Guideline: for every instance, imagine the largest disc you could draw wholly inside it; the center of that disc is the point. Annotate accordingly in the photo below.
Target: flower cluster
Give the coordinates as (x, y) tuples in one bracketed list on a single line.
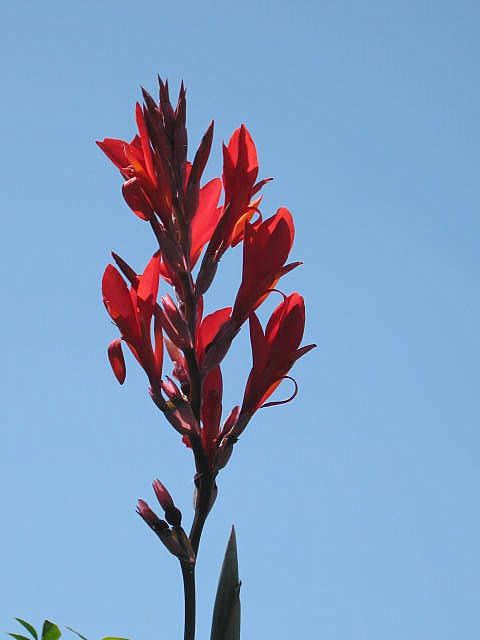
[(191, 220)]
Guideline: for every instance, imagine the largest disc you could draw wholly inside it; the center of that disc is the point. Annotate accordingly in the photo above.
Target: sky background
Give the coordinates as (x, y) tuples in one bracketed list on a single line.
[(356, 505)]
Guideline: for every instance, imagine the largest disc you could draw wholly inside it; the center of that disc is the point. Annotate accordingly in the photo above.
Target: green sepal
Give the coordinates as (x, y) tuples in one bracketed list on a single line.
[(226, 612), (17, 636)]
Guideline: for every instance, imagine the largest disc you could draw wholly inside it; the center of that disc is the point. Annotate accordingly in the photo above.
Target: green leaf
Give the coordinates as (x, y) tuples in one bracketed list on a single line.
[(17, 636), (28, 627), (76, 633), (226, 612), (50, 631)]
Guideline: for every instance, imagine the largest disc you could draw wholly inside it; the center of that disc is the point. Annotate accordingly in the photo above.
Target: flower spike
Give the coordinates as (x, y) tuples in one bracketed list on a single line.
[(194, 222)]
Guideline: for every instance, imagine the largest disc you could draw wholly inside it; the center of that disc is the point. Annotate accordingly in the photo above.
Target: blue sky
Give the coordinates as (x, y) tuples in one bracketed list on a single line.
[(356, 505)]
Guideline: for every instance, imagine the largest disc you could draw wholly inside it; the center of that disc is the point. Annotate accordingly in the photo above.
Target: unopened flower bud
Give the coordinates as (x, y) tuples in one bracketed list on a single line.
[(205, 277), (154, 522), (175, 540), (218, 349), (172, 515), (222, 455)]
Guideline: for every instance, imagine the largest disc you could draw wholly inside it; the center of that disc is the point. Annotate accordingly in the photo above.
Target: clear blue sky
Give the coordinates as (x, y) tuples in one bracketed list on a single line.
[(356, 506)]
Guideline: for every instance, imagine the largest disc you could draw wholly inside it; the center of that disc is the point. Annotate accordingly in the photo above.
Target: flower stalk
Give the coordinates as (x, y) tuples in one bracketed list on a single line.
[(193, 225)]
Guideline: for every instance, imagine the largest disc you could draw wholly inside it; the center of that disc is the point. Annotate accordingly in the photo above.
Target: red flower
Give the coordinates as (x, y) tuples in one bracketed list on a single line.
[(265, 250), (147, 187), (132, 310), (240, 171), (274, 352)]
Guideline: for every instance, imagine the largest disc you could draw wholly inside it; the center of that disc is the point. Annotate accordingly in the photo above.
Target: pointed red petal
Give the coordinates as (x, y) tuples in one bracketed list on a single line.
[(116, 296), (115, 151), (136, 199), (145, 140), (147, 289), (157, 330), (257, 341), (209, 328), (242, 150), (206, 217), (117, 361)]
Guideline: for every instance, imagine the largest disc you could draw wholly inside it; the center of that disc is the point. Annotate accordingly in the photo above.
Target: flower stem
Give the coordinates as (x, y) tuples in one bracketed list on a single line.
[(188, 573), (201, 513)]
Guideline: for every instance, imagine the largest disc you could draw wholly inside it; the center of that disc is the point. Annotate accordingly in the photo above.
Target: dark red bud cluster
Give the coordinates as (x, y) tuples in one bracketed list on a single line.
[(169, 530)]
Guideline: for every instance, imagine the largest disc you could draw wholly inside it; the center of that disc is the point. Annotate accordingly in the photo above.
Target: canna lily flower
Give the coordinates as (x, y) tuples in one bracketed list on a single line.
[(274, 353), (147, 187), (265, 250), (240, 171), (132, 311)]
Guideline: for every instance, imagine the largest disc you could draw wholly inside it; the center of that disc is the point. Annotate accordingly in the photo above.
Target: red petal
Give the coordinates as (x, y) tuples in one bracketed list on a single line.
[(242, 150), (116, 296), (206, 217), (283, 309), (257, 341), (117, 361), (147, 289), (114, 150), (285, 332), (157, 330), (209, 328), (265, 250), (147, 152), (136, 199)]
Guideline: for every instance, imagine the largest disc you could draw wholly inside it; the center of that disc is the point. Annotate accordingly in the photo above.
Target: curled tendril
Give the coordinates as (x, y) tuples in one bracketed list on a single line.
[(284, 298), (289, 399)]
